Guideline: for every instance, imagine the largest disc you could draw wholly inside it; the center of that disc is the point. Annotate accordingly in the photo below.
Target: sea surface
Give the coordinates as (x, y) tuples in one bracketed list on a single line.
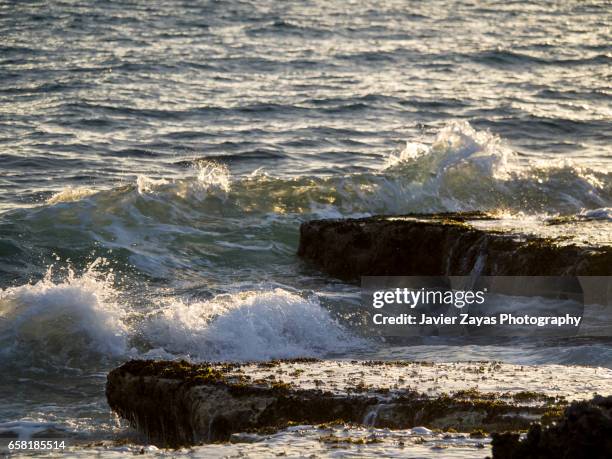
[(157, 159)]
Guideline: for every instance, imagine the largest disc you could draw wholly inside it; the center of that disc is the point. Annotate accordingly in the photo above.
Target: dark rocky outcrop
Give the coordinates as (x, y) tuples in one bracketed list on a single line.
[(451, 244), (178, 403), (584, 432)]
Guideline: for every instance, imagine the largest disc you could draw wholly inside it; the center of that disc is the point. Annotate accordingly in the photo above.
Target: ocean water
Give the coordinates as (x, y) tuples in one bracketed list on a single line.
[(156, 160)]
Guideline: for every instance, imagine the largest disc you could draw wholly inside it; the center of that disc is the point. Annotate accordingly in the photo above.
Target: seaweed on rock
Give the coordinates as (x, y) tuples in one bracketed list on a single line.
[(179, 403)]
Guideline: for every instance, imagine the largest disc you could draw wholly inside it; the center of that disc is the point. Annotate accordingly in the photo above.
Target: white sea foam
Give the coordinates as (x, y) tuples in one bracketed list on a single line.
[(459, 144), (246, 326), (461, 169), (213, 177), (146, 184), (209, 179), (64, 321), (466, 169), (70, 194), (79, 319)]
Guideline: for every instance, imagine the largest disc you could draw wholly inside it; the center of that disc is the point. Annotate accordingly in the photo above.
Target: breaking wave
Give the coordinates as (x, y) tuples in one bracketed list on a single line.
[(465, 169), (210, 180), (461, 169), (209, 222), (75, 320), (246, 326), (64, 322), (204, 228)]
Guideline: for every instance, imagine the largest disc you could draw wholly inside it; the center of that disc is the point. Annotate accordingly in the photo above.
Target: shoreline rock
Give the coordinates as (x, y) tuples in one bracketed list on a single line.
[(178, 403), (584, 431), (456, 244)]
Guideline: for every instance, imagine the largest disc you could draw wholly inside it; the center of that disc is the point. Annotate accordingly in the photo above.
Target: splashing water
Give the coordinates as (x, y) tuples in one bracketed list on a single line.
[(210, 180), (66, 321), (462, 169), (246, 326), (458, 144), (71, 319), (313, 99)]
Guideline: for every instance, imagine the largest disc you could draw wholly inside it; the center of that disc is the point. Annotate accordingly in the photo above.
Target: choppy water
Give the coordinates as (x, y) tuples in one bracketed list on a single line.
[(156, 160)]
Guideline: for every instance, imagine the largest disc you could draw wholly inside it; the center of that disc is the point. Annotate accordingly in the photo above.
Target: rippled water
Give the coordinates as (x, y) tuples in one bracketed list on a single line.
[(157, 159)]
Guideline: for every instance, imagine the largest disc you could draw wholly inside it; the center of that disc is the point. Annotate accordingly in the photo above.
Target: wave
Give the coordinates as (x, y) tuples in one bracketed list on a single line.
[(70, 320), (70, 194), (199, 223), (465, 169), (63, 322), (462, 169), (246, 326), (211, 180), (499, 57), (84, 320)]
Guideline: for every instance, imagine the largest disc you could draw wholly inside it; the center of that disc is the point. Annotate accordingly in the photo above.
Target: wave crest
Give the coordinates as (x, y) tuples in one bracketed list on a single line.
[(67, 321), (465, 169), (70, 194), (461, 169), (70, 320), (246, 326), (202, 221), (210, 179), (456, 144)]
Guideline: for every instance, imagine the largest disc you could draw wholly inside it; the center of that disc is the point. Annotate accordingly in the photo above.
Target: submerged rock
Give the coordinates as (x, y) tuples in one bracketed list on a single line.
[(584, 431), (456, 244), (178, 403)]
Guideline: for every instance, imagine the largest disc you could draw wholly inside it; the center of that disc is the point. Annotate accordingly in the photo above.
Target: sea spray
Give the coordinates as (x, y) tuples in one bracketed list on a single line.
[(63, 321), (84, 319), (457, 143), (208, 180), (251, 325)]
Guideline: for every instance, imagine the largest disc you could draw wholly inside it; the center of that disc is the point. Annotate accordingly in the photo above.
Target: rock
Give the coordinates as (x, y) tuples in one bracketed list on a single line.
[(178, 403), (584, 431), (456, 244)]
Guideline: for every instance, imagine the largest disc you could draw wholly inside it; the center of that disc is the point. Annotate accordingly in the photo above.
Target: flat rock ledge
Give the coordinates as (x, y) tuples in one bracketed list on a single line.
[(176, 403), (456, 244)]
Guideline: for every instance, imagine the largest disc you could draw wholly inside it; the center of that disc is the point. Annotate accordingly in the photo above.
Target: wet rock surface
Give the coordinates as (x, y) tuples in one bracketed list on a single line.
[(584, 431), (456, 244), (178, 403)]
